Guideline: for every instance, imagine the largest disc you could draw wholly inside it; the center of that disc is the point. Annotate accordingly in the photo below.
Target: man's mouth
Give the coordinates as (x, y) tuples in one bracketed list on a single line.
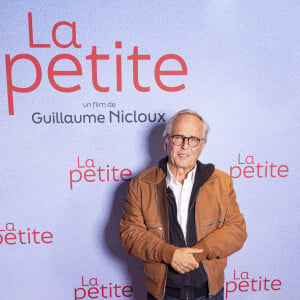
[(183, 155)]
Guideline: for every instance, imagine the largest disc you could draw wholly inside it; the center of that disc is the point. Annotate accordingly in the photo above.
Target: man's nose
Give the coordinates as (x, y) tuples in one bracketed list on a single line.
[(185, 143)]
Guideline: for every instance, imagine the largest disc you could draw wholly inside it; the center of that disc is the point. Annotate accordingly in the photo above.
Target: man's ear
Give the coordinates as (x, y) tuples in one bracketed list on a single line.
[(165, 144)]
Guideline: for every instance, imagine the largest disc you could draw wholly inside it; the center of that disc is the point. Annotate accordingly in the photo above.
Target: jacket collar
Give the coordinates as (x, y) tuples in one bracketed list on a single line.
[(205, 172)]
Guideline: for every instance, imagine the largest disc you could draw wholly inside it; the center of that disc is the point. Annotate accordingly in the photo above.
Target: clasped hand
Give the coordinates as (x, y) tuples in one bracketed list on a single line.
[(184, 261)]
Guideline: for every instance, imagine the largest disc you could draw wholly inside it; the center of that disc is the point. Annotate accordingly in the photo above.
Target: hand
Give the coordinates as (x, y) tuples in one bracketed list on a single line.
[(183, 260), (204, 254)]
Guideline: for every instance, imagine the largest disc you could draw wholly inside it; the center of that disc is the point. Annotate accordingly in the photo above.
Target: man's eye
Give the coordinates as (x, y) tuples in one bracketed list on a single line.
[(177, 137), (194, 140)]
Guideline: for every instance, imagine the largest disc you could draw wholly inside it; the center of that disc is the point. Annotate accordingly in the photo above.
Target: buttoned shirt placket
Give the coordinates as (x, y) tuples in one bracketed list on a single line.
[(182, 193)]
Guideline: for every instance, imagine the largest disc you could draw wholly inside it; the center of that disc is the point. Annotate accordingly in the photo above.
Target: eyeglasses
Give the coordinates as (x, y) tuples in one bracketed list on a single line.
[(178, 140)]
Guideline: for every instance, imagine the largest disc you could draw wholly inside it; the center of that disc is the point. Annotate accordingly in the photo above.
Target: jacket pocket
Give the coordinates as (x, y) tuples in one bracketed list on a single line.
[(215, 223), (210, 225), (156, 230)]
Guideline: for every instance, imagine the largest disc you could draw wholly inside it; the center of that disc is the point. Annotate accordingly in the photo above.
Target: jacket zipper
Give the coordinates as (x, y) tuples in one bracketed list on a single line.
[(207, 281), (215, 222), (163, 235), (155, 227), (197, 236)]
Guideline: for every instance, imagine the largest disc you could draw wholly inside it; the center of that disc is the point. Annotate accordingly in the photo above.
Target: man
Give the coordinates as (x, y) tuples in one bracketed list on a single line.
[(181, 218)]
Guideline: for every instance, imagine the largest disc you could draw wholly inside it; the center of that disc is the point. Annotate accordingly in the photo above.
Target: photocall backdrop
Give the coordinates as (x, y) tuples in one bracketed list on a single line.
[(86, 88)]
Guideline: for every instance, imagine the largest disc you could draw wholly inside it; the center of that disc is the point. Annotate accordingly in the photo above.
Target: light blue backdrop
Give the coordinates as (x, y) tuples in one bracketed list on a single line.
[(242, 59)]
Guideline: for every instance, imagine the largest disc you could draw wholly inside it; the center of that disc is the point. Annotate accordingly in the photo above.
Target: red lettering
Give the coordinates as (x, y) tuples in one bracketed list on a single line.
[(94, 57), (234, 275), (12, 88), (89, 173), (82, 282), (78, 163), (73, 40), (10, 236), (35, 233), (93, 291), (239, 160), (125, 173), (275, 283), (114, 171), (72, 180), (119, 67), (232, 169), (229, 289), (82, 293), (283, 169), (30, 30), (248, 170), (135, 57), (265, 284), (20, 233), (158, 72), (259, 166), (47, 237), (253, 281), (99, 172), (272, 166), (52, 73), (127, 291), (244, 286)]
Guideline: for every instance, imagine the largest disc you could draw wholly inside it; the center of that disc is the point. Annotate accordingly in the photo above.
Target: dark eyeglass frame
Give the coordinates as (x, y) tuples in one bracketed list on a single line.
[(189, 138)]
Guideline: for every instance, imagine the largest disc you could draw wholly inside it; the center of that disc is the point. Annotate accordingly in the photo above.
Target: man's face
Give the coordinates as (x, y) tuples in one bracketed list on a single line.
[(184, 157)]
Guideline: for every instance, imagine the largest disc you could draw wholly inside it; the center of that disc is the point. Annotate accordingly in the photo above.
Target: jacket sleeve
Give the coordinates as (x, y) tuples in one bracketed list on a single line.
[(230, 237), (140, 240)]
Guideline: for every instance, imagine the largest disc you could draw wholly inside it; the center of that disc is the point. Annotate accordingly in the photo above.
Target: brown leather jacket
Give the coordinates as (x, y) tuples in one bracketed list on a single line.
[(220, 227)]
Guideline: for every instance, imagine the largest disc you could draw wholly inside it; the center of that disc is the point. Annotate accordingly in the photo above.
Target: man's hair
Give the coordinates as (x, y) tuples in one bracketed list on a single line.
[(170, 123)]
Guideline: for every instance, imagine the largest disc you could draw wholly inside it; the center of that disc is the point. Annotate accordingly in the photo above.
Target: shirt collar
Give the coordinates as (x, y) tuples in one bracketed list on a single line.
[(172, 180)]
